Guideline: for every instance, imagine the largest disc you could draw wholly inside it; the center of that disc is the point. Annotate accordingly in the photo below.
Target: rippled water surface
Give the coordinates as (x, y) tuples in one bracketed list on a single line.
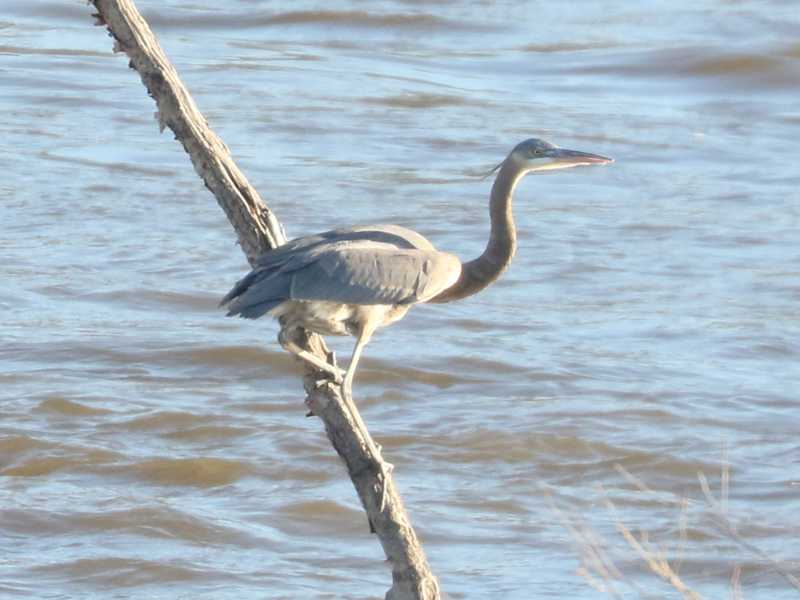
[(647, 330)]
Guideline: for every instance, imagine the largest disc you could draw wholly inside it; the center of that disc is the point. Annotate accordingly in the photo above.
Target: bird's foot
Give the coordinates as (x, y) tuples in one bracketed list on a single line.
[(334, 374), (326, 366), (331, 375), (327, 382)]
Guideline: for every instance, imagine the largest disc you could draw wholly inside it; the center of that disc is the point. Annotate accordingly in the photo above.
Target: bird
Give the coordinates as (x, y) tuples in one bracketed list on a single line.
[(355, 280)]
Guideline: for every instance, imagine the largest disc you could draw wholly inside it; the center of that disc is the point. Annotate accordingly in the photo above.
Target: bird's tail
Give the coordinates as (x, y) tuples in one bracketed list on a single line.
[(256, 294), (240, 287)]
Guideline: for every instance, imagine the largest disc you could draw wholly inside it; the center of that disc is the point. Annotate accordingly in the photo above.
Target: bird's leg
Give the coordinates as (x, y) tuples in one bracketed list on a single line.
[(347, 394), (288, 344), (347, 384)]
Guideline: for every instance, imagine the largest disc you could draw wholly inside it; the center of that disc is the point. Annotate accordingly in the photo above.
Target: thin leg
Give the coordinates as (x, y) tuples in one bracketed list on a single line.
[(289, 345), (347, 393), (347, 384)]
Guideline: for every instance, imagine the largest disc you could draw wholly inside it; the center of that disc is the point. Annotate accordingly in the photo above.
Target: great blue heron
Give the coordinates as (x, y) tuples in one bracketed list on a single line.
[(352, 281)]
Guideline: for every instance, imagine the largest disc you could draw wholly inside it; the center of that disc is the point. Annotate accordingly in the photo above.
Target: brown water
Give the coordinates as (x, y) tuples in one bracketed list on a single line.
[(151, 448)]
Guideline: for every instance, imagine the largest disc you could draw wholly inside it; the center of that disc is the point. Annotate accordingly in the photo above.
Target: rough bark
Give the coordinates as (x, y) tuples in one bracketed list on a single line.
[(258, 230)]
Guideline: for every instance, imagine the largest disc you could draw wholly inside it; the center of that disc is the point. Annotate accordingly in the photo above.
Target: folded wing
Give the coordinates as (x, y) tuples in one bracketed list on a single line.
[(353, 271)]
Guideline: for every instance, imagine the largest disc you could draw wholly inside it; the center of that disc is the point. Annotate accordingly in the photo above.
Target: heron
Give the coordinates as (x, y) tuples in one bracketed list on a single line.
[(353, 281)]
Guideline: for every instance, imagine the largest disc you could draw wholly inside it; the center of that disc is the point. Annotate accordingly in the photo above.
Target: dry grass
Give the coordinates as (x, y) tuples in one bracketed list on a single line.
[(598, 567)]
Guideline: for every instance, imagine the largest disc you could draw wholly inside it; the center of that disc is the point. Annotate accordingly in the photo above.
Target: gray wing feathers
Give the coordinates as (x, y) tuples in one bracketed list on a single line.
[(375, 276), (347, 272), (253, 311), (260, 291), (393, 235)]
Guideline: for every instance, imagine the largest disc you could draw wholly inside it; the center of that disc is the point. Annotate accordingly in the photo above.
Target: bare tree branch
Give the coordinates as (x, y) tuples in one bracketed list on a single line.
[(259, 230), (254, 223)]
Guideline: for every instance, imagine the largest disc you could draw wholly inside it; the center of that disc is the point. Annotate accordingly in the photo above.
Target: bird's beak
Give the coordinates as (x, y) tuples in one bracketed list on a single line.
[(562, 158)]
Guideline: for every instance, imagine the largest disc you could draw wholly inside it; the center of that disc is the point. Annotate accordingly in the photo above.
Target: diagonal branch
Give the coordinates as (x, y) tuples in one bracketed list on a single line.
[(259, 230), (254, 223)]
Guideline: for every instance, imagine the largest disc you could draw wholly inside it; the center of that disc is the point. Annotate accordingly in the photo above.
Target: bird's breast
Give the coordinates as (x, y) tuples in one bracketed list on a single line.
[(331, 318)]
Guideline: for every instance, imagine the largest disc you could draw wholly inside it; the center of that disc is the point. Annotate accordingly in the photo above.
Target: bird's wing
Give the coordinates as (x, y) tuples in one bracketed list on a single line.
[(394, 235), (351, 272), (364, 274)]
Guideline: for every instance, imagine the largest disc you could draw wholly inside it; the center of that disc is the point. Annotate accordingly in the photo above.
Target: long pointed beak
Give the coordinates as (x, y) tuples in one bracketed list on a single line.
[(572, 158)]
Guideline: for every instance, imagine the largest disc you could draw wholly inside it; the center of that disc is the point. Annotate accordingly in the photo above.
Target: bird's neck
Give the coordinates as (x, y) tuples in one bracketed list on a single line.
[(484, 270)]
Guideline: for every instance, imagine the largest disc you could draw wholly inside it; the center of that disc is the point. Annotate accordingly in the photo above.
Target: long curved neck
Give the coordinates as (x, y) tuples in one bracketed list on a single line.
[(484, 270)]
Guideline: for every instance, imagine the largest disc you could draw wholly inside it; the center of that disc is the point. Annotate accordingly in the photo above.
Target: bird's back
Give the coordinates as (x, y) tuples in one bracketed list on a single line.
[(393, 235), (361, 266)]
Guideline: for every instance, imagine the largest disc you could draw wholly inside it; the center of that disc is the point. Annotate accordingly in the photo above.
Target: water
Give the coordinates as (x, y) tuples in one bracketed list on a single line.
[(151, 448)]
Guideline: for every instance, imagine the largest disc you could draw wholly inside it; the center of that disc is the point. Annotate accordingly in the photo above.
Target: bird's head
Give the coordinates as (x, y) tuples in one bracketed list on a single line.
[(539, 155)]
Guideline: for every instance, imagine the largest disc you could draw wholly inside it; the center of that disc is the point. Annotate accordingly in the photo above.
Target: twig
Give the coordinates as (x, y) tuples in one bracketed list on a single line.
[(723, 523), (592, 550), (657, 564), (736, 584), (720, 518)]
